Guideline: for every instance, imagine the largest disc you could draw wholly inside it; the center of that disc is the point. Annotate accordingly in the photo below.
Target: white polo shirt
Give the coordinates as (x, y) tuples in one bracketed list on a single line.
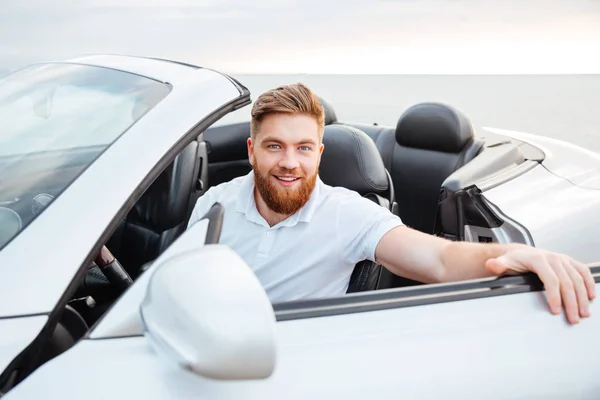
[(312, 253)]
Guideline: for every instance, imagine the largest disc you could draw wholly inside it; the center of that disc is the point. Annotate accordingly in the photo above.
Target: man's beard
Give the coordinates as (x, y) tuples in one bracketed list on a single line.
[(282, 200)]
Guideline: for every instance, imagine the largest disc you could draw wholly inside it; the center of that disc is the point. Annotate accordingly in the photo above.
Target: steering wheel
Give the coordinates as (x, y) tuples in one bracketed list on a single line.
[(112, 269)]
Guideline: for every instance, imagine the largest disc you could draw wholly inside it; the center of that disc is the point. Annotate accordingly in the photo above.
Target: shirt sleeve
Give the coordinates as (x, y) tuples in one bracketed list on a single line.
[(361, 224)]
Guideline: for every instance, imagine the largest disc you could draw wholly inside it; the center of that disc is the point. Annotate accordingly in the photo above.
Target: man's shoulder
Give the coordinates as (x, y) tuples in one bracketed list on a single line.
[(349, 202), (226, 194), (341, 196)]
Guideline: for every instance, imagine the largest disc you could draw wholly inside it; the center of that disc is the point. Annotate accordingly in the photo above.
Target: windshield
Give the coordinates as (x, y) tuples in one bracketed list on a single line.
[(55, 120)]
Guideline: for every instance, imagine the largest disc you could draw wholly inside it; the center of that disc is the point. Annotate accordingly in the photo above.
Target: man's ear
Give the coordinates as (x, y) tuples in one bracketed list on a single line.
[(321, 147), (250, 149)]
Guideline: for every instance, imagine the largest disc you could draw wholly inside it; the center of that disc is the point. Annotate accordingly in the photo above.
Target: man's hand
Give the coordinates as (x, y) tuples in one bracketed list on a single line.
[(566, 280), (429, 259)]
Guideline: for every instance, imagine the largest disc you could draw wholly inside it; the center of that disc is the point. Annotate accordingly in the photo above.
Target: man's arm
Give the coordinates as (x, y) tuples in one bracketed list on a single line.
[(426, 258)]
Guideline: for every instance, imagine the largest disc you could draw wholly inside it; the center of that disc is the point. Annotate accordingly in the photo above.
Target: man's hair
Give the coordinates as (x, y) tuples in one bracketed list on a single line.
[(291, 99)]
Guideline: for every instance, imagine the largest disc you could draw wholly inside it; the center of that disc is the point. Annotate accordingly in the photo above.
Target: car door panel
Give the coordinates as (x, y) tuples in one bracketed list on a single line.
[(494, 347)]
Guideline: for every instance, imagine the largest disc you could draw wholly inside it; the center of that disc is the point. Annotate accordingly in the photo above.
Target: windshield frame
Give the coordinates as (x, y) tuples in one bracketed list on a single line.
[(114, 84)]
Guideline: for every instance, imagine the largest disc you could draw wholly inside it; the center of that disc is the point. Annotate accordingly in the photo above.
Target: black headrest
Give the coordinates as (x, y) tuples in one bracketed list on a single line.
[(434, 126), (165, 204), (350, 159), (330, 117)]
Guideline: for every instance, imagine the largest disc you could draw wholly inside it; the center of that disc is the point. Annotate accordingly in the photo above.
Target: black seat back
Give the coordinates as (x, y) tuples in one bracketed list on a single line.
[(431, 141), (351, 160), (159, 216)]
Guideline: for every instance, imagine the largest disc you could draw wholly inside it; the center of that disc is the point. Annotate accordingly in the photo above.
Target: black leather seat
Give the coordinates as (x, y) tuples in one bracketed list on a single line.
[(351, 160), (330, 115), (160, 215), (431, 141)]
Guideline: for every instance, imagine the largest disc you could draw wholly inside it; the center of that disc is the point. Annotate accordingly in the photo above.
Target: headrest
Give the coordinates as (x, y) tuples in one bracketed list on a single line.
[(434, 126), (165, 204), (350, 159), (330, 117)]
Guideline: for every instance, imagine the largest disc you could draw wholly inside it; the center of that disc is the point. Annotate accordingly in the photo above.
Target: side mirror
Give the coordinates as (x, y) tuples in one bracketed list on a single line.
[(206, 310)]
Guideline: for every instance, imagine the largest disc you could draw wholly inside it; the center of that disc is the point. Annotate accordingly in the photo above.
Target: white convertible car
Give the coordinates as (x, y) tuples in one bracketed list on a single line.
[(105, 295)]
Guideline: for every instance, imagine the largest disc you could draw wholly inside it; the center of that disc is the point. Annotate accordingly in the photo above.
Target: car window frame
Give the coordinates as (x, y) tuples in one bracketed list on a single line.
[(413, 296)]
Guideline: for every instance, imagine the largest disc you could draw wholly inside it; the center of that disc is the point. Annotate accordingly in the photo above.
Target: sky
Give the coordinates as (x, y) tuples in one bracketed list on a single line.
[(314, 36)]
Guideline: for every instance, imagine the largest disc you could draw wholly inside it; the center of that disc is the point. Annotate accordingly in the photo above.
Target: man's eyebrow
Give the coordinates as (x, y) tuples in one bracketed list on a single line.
[(271, 139), (307, 141)]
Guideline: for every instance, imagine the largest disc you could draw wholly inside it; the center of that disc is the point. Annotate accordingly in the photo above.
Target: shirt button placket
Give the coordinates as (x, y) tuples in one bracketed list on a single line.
[(266, 243)]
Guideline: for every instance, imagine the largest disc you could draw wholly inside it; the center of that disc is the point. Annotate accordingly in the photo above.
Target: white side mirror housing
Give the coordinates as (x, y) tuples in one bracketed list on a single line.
[(206, 310)]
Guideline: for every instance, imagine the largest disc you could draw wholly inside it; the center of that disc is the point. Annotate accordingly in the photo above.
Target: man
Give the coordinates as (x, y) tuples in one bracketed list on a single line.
[(302, 238)]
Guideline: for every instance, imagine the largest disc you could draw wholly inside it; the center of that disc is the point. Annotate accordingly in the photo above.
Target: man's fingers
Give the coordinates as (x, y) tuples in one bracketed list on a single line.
[(551, 284), (568, 283), (588, 278), (567, 289), (581, 291)]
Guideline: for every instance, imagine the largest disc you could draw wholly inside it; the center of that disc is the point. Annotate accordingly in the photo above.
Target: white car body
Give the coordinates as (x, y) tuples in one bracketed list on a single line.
[(469, 340)]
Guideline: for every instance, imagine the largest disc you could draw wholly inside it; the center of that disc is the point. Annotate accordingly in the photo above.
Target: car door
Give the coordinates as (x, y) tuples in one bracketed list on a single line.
[(488, 338)]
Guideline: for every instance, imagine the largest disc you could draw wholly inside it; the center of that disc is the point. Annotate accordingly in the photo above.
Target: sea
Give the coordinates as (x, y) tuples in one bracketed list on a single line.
[(565, 107)]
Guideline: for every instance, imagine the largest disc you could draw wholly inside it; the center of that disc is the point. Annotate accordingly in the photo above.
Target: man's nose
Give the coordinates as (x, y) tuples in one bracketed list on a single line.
[(289, 160)]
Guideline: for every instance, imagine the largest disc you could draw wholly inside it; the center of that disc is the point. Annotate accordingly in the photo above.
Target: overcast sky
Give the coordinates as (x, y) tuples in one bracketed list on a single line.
[(314, 36)]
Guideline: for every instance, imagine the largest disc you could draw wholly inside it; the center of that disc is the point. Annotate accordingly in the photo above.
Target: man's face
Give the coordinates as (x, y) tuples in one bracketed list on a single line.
[(285, 157)]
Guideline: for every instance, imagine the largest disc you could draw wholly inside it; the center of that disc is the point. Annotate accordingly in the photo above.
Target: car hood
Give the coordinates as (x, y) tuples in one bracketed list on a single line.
[(576, 164)]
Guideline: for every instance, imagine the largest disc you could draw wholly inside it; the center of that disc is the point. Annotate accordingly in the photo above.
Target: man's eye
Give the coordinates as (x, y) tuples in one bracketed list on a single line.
[(304, 148), (273, 146)]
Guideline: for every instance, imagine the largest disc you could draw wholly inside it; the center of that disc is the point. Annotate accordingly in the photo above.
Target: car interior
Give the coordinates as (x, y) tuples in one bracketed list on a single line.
[(429, 143), (401, 169)]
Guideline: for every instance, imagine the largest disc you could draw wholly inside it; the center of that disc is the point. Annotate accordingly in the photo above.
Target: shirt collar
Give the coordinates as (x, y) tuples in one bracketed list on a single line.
[(306, 213), (245, 203)]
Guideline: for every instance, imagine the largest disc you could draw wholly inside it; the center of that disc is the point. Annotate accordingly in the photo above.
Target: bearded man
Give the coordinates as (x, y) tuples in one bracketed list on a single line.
[(302, 238)]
